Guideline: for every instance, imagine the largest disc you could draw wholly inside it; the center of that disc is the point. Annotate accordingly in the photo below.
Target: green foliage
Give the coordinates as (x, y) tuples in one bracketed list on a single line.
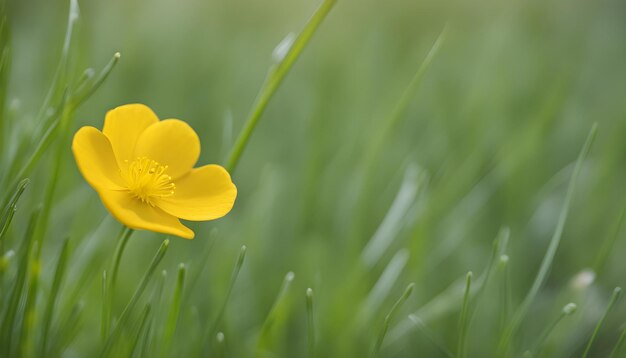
[(397, 139)]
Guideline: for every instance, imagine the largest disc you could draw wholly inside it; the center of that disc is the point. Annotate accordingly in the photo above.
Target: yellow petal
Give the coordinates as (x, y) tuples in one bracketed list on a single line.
[(206, 193), (123, 125), (170, 142), (136, 214), (95, 159)]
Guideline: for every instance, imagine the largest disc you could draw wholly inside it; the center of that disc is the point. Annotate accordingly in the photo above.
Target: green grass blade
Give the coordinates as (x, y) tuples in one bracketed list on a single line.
[(381, 336), (59, 274), (275, 77), (310, 322), (567, 310), (436, 341), (463, 321), (9, 210), (123, 320), (141, 324), (614, 297), (276, 315), (12, 310), (233, 278), (618, 345), (122, 240), (551, 251), (89, 86), (172, 318)]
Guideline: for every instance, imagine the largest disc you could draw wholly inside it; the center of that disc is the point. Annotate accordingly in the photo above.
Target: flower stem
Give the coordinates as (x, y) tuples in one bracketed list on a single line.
[(274, 78)]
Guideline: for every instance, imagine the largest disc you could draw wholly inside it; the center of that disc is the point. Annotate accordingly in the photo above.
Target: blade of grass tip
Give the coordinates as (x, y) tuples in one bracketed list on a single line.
[(609, 242), (392, 223), (88, 87), (122, 240), (275, 77), (135, 298), (614, 297), (567, 310), (461, 350), (506, 290), (451, 297), (59, 274), (275, 313), (60, 76), (172, 318), (233, 279), (546, 263), (391, 122), (381, 336), (310, 322), (220, 345), (141, 323), (9, 210), (618, 345), (383, 286), (436, 341), (8, 325)]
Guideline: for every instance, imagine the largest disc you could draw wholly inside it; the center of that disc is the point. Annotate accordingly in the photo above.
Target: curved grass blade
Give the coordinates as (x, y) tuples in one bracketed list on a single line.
[(381, 336), (542, 275)]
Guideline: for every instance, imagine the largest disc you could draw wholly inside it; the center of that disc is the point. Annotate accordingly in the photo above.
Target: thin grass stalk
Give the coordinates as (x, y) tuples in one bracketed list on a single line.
[(546, 263), (59, 274), (13, 308), (614, 297), (273, 315), (172, 318), (381, 336), (463, 321), (310, 322), (567, 310), (276, 75), (233, 278), (618, 344), (114, 335)]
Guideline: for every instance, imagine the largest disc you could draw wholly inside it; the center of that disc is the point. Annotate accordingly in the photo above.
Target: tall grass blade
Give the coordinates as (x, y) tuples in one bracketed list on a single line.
[(550, 253), (463, 321), (277, 314), (233, 278), (567, 310), (275, 77), (123, 320), (59, 274), (614, 297), (381, 336), (172, 318), (310, 322)]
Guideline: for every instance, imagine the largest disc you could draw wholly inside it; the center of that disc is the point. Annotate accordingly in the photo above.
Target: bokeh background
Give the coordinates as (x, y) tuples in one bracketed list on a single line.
[(489, 140)]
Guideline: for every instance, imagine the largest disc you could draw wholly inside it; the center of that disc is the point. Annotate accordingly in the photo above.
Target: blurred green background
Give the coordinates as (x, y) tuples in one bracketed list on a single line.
[(490, 138)]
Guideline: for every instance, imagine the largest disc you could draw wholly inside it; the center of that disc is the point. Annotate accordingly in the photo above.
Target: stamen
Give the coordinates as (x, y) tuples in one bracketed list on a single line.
[(147, 181)]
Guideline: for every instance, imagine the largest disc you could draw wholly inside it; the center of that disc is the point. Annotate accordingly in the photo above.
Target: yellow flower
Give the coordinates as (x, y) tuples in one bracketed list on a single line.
[(142, 169)]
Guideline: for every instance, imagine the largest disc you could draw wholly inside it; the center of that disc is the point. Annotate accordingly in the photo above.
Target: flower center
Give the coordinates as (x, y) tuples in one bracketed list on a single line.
[(147, 181)]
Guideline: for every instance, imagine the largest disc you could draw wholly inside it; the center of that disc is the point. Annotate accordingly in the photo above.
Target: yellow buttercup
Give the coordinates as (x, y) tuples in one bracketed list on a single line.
[(142, 169)]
